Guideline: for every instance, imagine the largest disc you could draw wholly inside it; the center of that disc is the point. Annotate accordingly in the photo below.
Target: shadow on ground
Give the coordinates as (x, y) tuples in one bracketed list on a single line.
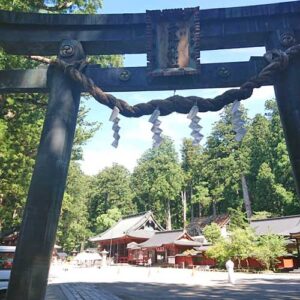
[(253, 289)]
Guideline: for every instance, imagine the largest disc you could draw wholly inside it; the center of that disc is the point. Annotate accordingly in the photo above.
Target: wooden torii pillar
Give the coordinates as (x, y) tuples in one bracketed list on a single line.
[(270, 26), (39, 224)]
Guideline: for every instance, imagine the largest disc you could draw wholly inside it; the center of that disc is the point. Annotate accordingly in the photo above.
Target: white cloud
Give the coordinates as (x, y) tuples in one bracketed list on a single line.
[(96, 160)]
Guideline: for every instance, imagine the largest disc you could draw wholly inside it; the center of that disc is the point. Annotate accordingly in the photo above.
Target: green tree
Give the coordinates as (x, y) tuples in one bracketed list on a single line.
[(157, 181), (201, 197), (260, 215), (220, 251), (20, 126), (110, 189), (238, 219), (225, 164), (73, 224), (242, 244), (212, 232), (270, 247), (270, 178), (105, 221), (194, 189), (272, 196), (54, 6)]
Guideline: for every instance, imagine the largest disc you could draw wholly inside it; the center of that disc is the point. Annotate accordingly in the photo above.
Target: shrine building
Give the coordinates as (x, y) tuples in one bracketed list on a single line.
[(136, 228)]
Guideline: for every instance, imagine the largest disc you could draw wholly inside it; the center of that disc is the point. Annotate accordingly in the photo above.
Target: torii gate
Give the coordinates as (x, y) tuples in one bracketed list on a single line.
[(173, 40)]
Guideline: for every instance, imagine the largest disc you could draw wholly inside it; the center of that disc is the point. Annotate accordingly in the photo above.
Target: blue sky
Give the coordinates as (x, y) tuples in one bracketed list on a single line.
[(136, 136)]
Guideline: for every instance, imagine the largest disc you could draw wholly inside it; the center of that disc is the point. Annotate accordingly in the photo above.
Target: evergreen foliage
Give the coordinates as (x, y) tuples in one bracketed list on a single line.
[(157, 181), (110, 189), (212, 232), (270, 247)]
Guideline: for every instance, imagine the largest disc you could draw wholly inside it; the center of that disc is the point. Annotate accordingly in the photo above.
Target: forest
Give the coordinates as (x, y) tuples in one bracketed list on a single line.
[(200, 180)]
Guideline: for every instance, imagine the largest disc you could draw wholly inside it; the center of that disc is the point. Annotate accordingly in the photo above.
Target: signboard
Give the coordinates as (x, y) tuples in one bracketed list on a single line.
[(173, 42)]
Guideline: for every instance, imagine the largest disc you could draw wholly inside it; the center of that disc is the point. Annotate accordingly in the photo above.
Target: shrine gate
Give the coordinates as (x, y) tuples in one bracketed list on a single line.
[(173, 40)]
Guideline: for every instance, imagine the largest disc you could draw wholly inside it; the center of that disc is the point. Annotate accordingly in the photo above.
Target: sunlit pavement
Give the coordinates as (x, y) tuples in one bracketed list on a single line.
[(125, 282)]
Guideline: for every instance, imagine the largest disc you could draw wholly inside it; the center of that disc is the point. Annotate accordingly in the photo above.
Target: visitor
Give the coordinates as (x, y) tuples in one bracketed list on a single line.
[(229, 267)]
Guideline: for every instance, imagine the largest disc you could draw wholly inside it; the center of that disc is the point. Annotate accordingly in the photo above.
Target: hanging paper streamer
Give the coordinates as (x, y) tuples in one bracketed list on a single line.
[(116, 128), (196, 128), (237, 121), (157, 139)]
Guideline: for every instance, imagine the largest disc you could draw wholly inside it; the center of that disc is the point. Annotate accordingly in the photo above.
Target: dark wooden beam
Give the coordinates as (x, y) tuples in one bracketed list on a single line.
[(41, 214), (40, 34), (219, 75), (287, 91)]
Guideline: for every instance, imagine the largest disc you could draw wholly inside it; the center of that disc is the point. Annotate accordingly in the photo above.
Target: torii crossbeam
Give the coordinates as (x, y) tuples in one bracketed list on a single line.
[(275, 26)]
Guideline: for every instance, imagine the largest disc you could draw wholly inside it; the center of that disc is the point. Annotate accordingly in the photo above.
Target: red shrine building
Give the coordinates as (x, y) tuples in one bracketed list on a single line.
[(162, 248), (139, 239), (136, 239), (132, 229)]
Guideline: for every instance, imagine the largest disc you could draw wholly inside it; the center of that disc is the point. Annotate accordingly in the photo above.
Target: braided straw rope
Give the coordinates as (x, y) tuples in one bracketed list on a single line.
[(278, 61)]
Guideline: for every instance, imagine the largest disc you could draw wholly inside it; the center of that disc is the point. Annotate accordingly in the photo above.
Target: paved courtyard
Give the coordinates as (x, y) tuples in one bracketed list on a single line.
[(125, 282)]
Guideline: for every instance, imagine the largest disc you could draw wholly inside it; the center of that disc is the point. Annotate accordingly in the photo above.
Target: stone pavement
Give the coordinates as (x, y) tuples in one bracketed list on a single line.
[(138, 283), (77, 291)]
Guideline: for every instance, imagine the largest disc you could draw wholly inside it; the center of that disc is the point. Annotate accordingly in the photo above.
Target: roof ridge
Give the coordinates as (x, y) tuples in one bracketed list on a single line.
[(276, 218), (136, 215), (166, 231)]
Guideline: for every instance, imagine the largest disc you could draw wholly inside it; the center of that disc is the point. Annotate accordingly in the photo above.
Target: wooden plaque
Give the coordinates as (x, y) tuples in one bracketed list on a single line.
[(173, 42)]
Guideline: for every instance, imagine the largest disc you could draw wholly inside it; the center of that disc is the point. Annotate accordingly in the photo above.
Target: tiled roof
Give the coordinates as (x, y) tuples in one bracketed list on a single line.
[(142, 234), (196, 226), (127, 226), (163, 238), (185, 242), (282, 225), (221, 220)]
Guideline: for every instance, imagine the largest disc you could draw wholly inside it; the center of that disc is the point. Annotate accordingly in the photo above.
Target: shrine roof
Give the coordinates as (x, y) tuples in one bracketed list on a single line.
[(281, 225), (130, 226), (142, 234), (201, 222), (178, 237)]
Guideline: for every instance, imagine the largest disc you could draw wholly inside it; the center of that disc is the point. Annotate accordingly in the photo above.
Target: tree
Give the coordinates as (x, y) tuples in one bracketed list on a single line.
[(73, 224), (269, 174), (201, 197), (195, 187), (260, 215), (270, 247), (273, 196), (225, 164), (157, 181), (105, 221), (110, 189), (220, 251), (242, 244), (212, 232), (237, 219), (20, 127), (52, 6)]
